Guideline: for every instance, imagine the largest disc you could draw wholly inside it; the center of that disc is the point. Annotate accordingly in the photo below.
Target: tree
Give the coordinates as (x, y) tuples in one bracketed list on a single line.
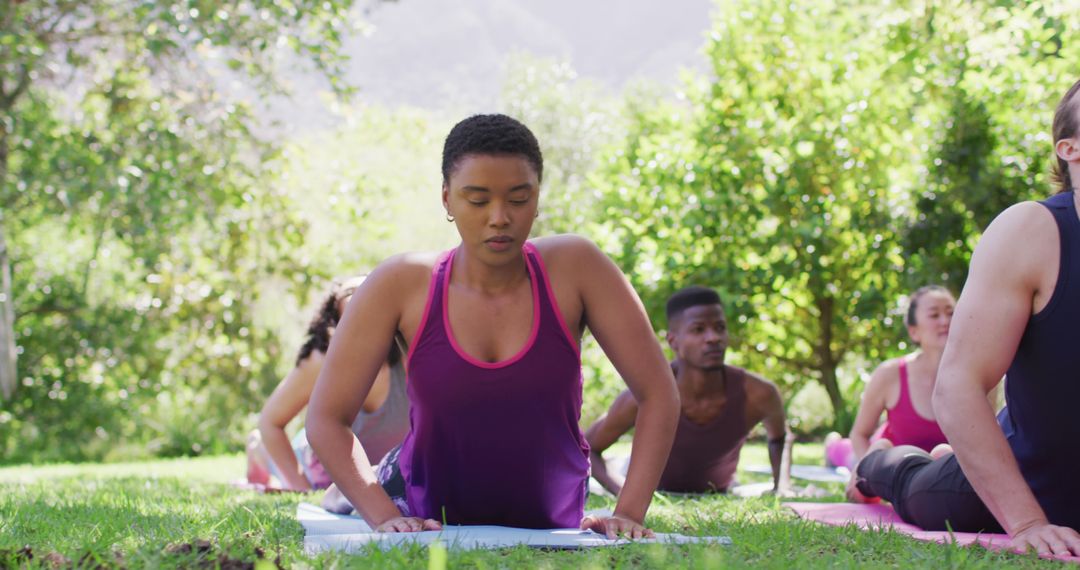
[(838, 156), (116, 48), (777, 181), (991, 146)]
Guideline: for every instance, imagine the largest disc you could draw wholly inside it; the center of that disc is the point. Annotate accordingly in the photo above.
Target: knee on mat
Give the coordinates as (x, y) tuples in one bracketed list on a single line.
[(254, 440)]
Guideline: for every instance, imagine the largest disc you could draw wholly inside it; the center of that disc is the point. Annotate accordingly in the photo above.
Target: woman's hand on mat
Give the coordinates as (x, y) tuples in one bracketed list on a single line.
[(408, 524), (1046, 538), (615, 526)]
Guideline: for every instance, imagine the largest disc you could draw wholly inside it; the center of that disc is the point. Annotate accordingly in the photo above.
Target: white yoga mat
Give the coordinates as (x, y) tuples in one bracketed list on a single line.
[(324, 530), (808, 472)]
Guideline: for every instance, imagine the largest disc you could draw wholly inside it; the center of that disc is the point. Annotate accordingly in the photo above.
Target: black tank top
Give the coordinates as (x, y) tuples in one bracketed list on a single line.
[(1042, 389)]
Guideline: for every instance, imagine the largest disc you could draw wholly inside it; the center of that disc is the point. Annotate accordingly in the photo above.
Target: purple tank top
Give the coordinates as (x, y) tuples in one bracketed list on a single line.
[(704, 457), (495, 442)]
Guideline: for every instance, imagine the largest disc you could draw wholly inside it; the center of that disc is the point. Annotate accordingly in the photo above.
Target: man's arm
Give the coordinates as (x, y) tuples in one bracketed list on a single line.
[(768, 405), (605, 432), (1006, 275)]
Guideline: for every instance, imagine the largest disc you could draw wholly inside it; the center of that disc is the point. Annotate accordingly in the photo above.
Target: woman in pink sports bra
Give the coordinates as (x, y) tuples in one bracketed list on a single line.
[(902, 387)]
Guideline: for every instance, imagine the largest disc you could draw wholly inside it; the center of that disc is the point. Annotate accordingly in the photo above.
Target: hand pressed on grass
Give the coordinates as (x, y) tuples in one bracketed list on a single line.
[(1047, 539)]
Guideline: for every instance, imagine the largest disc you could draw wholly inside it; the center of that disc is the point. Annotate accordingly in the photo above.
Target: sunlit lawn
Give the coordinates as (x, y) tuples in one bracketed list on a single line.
[(181, 513)]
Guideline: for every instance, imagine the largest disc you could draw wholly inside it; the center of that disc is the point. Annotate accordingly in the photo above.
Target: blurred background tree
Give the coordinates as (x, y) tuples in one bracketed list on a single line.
[(134, 215), (837, 156)]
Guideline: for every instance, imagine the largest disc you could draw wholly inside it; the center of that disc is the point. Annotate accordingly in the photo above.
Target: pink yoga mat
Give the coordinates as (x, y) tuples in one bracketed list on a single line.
[(884, 517)]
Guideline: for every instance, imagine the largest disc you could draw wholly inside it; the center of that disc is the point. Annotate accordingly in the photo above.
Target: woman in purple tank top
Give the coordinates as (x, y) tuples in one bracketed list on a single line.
[(1018, 314), (494, 371)]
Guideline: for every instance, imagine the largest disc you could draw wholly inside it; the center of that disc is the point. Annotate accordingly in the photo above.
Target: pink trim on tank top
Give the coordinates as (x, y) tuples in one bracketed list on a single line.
[(530, 248), (427, 306), (450, 331)]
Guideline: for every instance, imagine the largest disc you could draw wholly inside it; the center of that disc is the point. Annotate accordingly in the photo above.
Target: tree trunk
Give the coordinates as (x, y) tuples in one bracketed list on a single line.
[(827, 363), (828, 380), (7, 300)]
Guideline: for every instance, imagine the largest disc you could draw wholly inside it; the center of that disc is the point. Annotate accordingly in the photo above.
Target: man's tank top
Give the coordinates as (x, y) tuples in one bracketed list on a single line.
[(496, 442), (904, 425), (1043, 388), (704, 456)]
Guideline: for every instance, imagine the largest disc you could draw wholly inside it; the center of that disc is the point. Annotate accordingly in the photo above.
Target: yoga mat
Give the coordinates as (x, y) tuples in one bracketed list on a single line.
[(324, 531), (883, 517), (818, 473)]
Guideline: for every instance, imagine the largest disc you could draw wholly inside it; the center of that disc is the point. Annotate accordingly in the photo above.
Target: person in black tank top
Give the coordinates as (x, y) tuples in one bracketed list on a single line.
[(720, 405), (1018, 314)]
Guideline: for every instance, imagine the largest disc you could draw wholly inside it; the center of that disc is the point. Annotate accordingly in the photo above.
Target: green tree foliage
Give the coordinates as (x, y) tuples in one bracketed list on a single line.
[(778, 184), (836, 155), (998, 83), (135, 206)]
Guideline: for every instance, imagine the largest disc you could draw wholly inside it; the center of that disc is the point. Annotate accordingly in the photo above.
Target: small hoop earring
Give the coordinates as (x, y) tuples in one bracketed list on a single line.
[(449, 218)]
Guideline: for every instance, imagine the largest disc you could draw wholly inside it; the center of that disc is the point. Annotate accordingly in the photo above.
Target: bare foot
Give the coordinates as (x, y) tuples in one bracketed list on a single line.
[(852, 491), (854, 495)]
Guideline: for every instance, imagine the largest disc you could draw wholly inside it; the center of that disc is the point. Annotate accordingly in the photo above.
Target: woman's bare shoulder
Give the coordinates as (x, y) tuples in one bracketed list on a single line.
[(577, 253), (400, 278), (405, 268), (562, 243), (887, 374)]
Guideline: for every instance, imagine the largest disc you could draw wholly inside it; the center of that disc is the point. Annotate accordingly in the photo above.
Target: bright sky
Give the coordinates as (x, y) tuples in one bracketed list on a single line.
[(439, 54)]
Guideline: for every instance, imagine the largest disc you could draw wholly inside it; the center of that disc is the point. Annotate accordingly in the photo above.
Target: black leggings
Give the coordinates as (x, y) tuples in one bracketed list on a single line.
[(928, 493)]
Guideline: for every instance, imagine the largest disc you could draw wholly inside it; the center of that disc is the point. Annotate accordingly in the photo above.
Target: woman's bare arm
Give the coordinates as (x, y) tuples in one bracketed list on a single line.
[(357, 352), (605, 432), (870, 408), (618, 320), (284, 404)]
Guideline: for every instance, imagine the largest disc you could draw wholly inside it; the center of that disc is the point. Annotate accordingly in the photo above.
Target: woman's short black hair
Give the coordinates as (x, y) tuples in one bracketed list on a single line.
[(492, 135)]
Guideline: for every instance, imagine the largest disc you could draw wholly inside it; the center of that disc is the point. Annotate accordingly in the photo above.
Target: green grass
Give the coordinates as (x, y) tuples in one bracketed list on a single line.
[(181, 513)]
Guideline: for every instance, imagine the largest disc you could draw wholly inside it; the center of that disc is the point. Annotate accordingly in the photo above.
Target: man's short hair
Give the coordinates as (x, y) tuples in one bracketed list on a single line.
[(688, 297)]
